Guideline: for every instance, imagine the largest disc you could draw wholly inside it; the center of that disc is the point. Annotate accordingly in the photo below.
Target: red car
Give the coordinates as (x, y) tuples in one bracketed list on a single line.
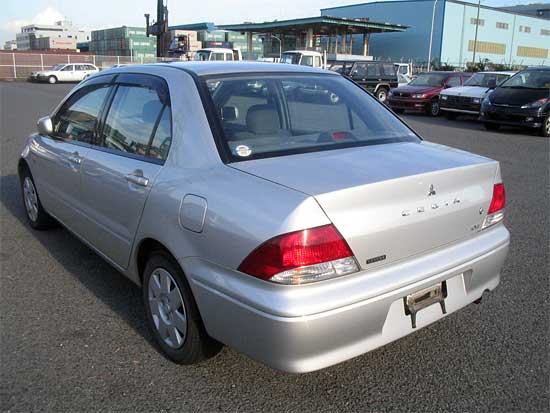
[(422, 94)]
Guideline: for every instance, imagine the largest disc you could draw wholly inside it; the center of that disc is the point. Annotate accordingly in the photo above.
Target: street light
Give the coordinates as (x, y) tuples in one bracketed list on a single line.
[(431, 38), (280, 45)]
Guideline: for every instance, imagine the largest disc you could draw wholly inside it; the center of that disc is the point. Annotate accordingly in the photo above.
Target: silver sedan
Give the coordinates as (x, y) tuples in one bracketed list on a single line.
[(277, 209)]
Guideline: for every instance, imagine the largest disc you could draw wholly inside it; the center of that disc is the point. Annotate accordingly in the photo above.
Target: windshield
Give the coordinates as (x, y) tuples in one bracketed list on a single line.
[(529, 79), (276, 115), (430, 79), (203, 55), (486, 79), (291, 58)]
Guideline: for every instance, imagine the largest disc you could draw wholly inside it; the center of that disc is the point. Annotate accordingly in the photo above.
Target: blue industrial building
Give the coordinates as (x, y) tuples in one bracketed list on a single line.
[(503, 36)]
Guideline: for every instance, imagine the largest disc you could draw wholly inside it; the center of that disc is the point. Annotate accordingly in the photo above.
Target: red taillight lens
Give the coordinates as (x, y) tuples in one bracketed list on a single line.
[(296, 249), (499, 199)]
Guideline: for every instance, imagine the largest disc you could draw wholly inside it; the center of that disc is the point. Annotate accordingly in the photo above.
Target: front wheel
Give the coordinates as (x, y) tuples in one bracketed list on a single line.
[(382, 94), (434, 108), (52, 80), (545, 130), (172, 312), (491, 126)]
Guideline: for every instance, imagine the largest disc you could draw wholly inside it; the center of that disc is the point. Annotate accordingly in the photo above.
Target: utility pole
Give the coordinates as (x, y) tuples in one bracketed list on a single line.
[(431, 38), (477, 26)]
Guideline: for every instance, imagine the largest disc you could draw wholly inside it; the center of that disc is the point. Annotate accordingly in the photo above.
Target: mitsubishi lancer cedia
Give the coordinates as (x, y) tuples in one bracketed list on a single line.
[(277, 209)]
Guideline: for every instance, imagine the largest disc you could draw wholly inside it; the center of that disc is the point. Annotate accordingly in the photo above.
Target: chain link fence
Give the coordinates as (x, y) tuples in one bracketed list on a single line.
[(20, 65)]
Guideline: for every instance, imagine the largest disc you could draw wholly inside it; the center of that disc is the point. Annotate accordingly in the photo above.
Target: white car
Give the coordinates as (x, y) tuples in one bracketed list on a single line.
[(466, 99), (70, 72), (403, 80)]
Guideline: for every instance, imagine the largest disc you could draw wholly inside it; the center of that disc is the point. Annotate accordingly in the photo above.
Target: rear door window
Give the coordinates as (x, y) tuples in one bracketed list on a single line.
[(373, 70), (77, 118), (138, 123)]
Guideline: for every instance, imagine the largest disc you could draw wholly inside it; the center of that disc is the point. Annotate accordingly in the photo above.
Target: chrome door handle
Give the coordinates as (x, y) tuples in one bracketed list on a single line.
[(138, 180), (75, 158)]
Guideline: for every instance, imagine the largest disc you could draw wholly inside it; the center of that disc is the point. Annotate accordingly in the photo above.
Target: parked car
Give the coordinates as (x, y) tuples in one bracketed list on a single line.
[(467, 99), (422, 94), (376, 77), (300, 229), (73, 72), (522, 101)]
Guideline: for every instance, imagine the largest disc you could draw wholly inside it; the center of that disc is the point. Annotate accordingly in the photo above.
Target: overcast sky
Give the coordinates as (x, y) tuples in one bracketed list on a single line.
[(94, 14)]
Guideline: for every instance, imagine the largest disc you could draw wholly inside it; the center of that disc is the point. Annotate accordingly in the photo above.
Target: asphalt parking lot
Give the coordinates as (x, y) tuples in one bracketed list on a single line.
[(73, 335)]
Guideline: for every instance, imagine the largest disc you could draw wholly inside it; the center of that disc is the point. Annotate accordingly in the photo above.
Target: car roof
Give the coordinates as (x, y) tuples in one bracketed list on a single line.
[(215, 49), (235, 67), (545, 68), (501, 72)]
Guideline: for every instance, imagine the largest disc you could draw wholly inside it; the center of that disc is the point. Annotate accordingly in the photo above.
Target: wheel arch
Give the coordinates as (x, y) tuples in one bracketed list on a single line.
[(382, 85), (144, 249)]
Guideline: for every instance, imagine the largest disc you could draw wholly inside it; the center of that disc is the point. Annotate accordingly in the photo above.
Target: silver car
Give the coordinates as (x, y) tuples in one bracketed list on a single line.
[(277, 209)]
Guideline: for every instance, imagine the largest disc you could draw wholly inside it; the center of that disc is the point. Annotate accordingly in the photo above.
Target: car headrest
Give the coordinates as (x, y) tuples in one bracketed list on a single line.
[(263, 119)]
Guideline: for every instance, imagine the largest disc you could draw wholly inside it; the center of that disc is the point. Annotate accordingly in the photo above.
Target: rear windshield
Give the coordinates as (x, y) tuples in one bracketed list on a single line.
[(275, 115)]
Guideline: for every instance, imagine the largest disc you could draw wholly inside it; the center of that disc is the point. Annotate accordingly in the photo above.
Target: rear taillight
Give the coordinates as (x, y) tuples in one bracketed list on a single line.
[(495, 213), (301, 257)]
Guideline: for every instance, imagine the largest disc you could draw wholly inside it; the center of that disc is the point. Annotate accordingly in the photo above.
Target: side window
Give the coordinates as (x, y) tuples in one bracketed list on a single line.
[(389, 70), (229, 56), (76, 120), (163, 136), (453, 81), (80, 67), (68, 68), (132, 121), (307, 61), (373, 70), (317, 61), (360, 70), (217, 56)]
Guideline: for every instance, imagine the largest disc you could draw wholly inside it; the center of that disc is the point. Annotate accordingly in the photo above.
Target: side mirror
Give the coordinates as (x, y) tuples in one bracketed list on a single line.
[(492, 84), (45, 126)]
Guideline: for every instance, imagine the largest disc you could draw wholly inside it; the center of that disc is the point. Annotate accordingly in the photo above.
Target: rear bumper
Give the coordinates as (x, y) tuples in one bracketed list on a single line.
[(306, 328), (415, 105)]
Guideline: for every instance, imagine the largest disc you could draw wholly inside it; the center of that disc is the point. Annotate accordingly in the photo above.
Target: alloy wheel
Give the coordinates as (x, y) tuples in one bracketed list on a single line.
[(30, 198), (167, 308), (547, 126), (435, 108)]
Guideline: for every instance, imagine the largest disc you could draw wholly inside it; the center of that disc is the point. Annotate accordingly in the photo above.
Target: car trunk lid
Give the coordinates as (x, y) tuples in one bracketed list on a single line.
[(390, 201)]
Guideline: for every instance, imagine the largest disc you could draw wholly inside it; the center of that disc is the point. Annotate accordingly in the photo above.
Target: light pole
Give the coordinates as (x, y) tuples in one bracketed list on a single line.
[(280, 45), (477, 26), (431, 38)]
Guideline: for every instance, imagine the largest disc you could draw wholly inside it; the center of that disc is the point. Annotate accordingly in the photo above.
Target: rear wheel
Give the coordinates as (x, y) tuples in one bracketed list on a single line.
[(491, 126), (37, 217), (382, 94), (434, 108), (545, 130), (52, 80), (172, 312)]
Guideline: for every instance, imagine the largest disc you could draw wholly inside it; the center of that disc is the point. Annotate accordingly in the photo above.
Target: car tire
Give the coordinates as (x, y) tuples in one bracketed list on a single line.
[(382, 94), (37, 217), (451, 115), (491, 126), (172, 313), (52, 80), (545, 129), (434, 109)]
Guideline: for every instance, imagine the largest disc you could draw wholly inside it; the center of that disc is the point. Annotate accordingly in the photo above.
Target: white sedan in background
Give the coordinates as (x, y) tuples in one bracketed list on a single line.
[(70, 72)]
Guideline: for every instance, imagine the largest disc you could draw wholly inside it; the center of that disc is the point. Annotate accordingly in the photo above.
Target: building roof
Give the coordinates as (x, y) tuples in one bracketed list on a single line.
[(320, 25), (208, 26), (468, 3)]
